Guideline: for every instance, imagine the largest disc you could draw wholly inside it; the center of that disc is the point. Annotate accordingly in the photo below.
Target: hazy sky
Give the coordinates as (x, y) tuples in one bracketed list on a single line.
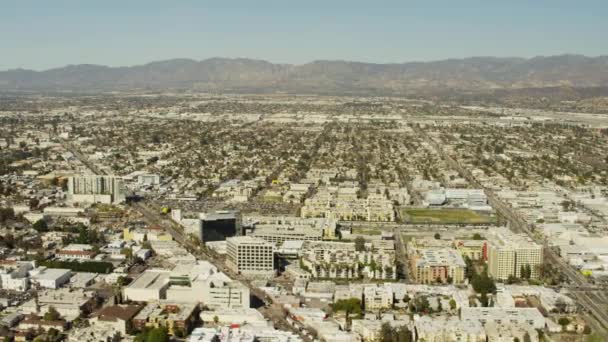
[(50, 33)]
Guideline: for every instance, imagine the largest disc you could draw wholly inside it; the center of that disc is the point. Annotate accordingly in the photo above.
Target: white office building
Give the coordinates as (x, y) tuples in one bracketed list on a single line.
[(250, 256)]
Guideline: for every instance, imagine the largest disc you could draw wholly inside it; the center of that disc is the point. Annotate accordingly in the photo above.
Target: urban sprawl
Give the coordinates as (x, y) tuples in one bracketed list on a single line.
[(279, 218)]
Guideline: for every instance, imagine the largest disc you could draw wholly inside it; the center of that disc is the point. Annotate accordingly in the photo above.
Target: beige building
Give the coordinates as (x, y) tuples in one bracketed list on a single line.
[(377, 298), (324, 259), (509, 252), (250, 256), (472, 249), (428, 266), (96, 189)]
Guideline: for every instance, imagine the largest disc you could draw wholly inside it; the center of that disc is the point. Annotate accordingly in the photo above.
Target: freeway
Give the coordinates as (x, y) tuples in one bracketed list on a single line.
[(594, 304)]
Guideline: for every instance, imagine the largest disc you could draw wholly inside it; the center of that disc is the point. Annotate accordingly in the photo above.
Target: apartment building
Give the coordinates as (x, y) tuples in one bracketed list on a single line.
[(172, 316), (377, 298), (442, 265), (96, 189), (472, 249), (508, 253), (250, 256), (325, 259)]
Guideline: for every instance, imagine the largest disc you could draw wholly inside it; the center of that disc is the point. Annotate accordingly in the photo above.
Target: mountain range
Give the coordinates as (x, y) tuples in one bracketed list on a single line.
[(468, 75)]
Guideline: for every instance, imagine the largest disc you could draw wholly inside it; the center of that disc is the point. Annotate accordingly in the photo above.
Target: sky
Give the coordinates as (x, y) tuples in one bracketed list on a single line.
[(47, 34)]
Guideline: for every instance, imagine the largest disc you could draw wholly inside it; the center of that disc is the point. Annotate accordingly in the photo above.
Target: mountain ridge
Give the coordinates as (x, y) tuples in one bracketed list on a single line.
[(472, 74)]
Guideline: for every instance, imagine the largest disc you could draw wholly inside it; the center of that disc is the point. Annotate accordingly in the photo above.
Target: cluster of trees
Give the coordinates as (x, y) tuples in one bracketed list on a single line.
[(76, 266), (153, 335), (360, 244), (85, 235), (51, 315), (350, 306), (398, 334), (6, 189), (525, 271), (484, 285), (40, 226), (420, 304), (7, 214)]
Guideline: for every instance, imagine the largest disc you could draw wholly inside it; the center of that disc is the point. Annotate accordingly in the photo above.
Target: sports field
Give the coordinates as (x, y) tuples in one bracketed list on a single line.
[(443, 216), (366, 231)]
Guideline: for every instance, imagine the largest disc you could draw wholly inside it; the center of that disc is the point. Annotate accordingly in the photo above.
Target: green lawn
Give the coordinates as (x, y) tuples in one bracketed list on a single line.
[(366, 231), (442, 216)]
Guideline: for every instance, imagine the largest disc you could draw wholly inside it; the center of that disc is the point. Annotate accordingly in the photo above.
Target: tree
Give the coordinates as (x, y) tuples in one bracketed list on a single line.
[(528, 271), (477, 236), (6, 214), (437, 236), (421, 304), (469, 268), (390, 334), (563, 321), (153, 335), (452, 304), (527, 337), (482, 283), (386, 333), (359, 244), (40, 226), (33, 203), (51, 314), (216, 319), (351, 305), (404, 334), (484, 299), (127, 252)]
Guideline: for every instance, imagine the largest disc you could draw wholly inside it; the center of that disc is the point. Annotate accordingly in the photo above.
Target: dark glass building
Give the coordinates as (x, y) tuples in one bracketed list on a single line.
[(219, 225)]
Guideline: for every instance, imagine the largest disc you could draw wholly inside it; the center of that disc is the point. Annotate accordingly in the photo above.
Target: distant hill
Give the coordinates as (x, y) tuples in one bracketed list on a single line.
[(469, 75)]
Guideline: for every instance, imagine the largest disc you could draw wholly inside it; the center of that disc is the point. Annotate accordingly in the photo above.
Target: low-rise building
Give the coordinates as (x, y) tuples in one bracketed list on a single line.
[(149, 286), (50, 278), (325, 259), (281, 229), (435, 329), (376, 298), (117, 318), (526, 316), (69, 303), (177, 318), (203, 283), (472, 249)]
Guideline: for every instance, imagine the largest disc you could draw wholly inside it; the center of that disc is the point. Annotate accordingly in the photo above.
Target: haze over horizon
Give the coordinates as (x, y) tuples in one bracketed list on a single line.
[(143, 63), (41, 35)]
